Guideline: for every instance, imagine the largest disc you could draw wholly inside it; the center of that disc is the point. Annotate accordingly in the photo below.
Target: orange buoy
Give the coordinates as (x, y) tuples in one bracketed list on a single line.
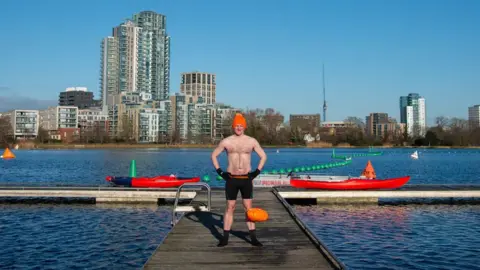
[(8, 154), (369, 172), (257, 215)]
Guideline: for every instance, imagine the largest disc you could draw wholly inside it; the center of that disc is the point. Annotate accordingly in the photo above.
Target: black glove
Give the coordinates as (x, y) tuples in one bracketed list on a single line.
[(224, 175), (254, 174)]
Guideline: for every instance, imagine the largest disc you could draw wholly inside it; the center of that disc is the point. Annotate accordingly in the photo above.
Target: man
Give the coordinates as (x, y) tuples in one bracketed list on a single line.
[(238, 176)]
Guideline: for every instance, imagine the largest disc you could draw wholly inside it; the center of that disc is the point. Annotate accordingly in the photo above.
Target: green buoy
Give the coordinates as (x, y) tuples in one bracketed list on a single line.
[(133, 169)]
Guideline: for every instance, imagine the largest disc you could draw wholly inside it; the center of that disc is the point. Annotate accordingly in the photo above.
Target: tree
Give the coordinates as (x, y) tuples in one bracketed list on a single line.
[(100, 132), (254, 127), (127, 131), (458, 124), (442, 121), (42, 135), (6, 131), (354, 121), (474, 137), (271, 122), (431, 138), (174, 136)]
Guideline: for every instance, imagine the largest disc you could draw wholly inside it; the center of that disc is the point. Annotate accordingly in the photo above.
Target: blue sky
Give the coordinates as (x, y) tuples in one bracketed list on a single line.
[(266, 53)]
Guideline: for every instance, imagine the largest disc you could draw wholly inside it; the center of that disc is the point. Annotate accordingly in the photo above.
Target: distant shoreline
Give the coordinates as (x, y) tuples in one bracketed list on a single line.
[(211, 146)]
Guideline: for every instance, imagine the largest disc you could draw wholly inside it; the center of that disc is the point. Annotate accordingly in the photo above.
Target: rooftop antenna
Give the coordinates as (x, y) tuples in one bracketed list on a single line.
[(324, 99)]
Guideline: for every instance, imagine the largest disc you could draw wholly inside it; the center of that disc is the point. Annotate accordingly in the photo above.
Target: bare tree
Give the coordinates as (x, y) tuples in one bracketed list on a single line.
[(458, 124), (126, 133), (271, 123), (227, 126), (442, 121), (6, 130), (42, 135), (99, 132), (355, 122), (174, 137)]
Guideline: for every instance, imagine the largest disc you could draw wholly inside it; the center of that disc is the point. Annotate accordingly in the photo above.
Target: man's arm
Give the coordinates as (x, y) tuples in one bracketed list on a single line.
[(218, 150), (263, 156)]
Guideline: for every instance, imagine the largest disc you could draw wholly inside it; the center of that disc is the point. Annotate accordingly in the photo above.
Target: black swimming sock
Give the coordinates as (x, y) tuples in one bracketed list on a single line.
[(253, 237), (224, 240)]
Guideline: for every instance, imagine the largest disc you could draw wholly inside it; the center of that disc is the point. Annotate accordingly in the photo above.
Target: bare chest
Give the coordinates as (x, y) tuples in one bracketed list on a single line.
[(239, 148)]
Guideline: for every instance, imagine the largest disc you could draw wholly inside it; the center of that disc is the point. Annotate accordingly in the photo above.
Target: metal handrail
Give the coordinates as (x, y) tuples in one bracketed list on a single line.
[(209, 198)]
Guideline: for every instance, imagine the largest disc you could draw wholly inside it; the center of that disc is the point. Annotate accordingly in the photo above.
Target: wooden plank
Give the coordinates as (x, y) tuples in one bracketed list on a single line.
[(187, 208), (192, 243)]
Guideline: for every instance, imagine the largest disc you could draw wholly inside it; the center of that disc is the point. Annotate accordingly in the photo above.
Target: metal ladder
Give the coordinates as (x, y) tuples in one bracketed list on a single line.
[(191, 208)]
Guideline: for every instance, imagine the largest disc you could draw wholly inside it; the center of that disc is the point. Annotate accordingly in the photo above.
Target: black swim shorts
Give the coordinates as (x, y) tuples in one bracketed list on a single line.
[(237, 183)]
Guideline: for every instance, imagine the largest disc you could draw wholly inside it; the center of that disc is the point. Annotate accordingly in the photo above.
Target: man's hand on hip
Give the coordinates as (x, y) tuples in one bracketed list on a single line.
[(224, 175), (254, 174)]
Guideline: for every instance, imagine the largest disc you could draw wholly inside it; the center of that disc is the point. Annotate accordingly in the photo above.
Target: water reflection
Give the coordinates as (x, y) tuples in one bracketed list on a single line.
[(80, 236), (398, 237)]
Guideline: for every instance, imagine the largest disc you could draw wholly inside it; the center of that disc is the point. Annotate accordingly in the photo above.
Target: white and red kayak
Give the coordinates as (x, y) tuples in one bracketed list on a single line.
[(346, 182), (272, 180), (283, 179)]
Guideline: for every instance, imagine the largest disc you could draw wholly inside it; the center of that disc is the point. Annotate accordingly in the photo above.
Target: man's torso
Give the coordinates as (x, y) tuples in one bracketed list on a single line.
[(239, 150)]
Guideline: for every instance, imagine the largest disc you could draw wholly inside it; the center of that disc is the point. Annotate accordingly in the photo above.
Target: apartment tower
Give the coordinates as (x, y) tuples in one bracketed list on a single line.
[(199, 84), (413, 114), (136, 58), (474, 116)]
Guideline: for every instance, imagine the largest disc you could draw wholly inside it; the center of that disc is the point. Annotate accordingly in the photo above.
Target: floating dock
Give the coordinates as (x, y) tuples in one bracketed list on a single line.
[(287, 242), (373, 196), (100, 194)]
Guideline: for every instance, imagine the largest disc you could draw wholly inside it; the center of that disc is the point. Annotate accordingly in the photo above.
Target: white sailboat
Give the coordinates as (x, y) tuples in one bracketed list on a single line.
[(414, 155)]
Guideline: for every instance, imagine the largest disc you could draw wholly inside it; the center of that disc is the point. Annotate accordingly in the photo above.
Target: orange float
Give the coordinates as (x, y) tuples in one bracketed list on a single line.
[(8, 154), (257, 215), (369, 172)]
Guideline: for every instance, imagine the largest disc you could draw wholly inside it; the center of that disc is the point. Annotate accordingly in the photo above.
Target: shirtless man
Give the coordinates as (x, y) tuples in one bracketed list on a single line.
[(238, 176)]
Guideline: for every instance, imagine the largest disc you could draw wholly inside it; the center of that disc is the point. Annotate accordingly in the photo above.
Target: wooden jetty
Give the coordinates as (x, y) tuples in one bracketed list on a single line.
[(100, 194), (287, 241)]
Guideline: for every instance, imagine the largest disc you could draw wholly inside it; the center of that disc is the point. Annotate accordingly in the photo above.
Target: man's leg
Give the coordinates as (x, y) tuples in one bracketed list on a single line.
[(247, 204), (231, 192), (228, 217), (247, 196)]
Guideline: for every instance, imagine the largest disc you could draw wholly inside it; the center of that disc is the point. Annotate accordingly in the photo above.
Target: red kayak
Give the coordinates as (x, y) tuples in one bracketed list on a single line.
[(347, 183), (161, 181)]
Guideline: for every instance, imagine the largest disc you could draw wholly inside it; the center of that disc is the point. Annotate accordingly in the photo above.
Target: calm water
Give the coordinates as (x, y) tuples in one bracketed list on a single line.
[(399, 237), (92, 236), (89, 167), (79, 236)]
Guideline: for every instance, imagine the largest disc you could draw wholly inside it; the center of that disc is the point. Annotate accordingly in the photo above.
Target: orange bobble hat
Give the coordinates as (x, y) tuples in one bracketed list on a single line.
[(239, 120)]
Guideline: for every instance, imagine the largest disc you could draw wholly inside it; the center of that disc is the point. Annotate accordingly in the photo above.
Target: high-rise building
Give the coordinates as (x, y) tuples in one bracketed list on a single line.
[(76, 96), (413, 114), (127, 35), (199, 84), (109, 77), (154, 51), (474, 116), (136, 58)]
